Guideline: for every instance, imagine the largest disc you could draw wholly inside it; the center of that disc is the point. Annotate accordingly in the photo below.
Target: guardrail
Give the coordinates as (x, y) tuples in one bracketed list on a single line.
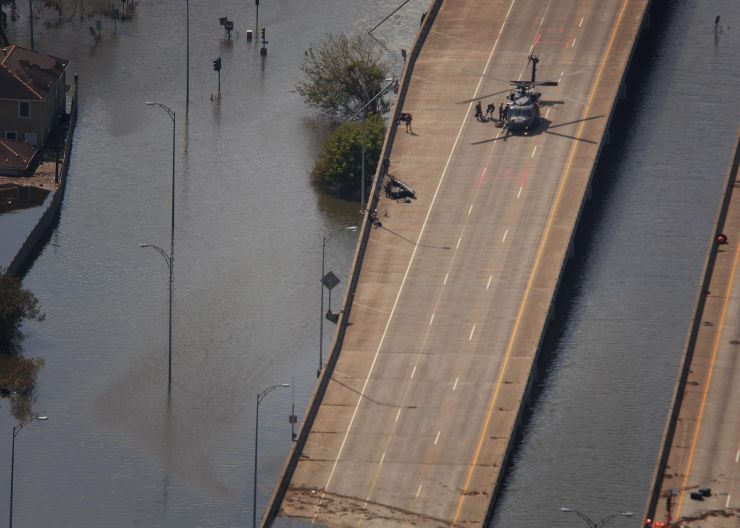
[(701, 297), (367, 224), (20, 263)]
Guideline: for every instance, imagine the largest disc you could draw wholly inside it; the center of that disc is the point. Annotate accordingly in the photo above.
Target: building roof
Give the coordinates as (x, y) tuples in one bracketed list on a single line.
[(15, 156), (26, 74)]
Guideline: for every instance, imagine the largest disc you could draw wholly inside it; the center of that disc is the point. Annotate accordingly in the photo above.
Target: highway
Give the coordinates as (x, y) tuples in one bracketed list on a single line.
[(705, 448), (456, 286)]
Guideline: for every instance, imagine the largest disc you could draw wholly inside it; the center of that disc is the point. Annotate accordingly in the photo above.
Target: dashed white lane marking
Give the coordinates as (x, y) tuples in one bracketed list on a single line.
[(458, 242), (520, 192), (561, 74), (437, 438), (727, 502), (408, 269), (489, 282), (413, 372), (455, 385), (382, 458), (505, 233), (573, 44), (737, 456), (547, 113), (418, 492), (471, 209), (444, 283), (398, 414), (581, 22), (472, 331), (534, 150), (431, 320), (542, 21)]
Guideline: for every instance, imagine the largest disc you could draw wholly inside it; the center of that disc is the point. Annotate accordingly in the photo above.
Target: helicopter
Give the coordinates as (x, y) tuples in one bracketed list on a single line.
[(522, 110), (521, 113)]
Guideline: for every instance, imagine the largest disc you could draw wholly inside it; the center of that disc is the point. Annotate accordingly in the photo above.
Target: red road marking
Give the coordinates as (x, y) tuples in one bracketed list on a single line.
[(482, 175), (524, 177), (537, 40)]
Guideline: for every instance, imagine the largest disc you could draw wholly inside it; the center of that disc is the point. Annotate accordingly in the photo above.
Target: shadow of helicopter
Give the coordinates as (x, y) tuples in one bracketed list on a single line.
[(545, 127)]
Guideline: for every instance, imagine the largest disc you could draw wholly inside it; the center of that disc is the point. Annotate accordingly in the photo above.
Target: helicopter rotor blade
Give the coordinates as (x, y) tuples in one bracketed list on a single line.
[(483, 96), (479, 74), (569, 74), (554, 102), (546, 83)]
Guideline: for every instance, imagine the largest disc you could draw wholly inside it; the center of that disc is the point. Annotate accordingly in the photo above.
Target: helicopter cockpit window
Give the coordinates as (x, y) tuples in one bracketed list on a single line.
[(520, 112)]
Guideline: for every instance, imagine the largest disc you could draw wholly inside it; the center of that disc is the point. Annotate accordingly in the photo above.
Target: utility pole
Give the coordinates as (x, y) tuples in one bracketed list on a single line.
[(263, 49), (187, 55), (30, 12)]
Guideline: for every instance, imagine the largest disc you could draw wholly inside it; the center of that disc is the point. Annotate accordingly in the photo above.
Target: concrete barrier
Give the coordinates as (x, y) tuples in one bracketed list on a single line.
[(23, 258), (683, 373), (367, 225)]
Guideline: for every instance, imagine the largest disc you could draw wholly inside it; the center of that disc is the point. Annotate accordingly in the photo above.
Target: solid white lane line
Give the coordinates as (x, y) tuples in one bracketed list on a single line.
[(581, 22), (471, 209), (437, 438), (520, 192), (505, 233), (737, 456), (534, 150), (727, 502), (455, 385), (542, 21), (444, 283), (431, 320), (489, 282), (398, 414), (382, 458), (418, 491), (458, 242), (574, 43), (413, 372), (472, 331)]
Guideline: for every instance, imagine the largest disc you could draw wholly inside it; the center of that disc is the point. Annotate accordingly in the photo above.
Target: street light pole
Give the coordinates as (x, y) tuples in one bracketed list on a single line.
[(257, 19), (323, 271), (171, 259), (593, 524), (260, 396), (187, 55), (16, 431)]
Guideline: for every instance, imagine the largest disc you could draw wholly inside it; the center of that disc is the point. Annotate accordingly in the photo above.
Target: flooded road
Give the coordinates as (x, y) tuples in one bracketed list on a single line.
[(116, 451)]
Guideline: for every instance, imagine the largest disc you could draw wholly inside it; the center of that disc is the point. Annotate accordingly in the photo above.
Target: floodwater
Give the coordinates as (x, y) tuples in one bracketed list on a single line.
[(595, 431), (116, 450)]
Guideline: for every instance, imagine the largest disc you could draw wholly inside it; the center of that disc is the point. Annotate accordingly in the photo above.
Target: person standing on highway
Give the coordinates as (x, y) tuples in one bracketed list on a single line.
[(501, 111), (490, 109), (478, 111), (409, 130)]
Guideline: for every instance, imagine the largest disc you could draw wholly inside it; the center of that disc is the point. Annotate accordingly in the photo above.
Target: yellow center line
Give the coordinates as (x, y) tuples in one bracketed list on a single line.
[(708, 384), (538, 259)]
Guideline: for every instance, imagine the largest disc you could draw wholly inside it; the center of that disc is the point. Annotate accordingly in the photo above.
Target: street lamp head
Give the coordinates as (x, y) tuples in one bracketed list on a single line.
[(351, 228), (566, 510), (149, 103), (626, 514), (144, 245), (42, 418), (284, 385)]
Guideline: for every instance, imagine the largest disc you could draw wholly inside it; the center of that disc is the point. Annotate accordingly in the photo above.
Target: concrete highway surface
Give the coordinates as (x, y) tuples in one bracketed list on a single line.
[(705, 452), (456, 286)]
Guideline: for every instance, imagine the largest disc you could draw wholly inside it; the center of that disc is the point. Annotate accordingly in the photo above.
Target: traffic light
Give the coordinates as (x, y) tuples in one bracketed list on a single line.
[(217, 64), (263, 34)]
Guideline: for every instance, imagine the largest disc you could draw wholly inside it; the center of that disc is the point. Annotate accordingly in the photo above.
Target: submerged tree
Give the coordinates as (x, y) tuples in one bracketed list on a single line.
[(339, 166), (16, 305), (343, 75)]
